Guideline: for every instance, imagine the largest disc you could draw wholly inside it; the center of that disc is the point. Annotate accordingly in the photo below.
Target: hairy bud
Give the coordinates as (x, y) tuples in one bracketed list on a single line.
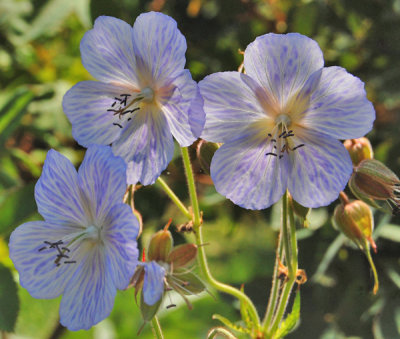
[(205, 152), (359, 149)]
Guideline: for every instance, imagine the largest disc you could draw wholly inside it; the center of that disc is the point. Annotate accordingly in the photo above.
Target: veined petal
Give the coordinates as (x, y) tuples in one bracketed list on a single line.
[(146, 145), (90, 292), (232, 101), (102, 178), (282, 63), (107, 52), (320, 169), (197, 116), (38, 272), (122, 229), (339, 106), (153, 285), (57, 192), (88, 106), (181, 115), (245, 172), (159, 48)]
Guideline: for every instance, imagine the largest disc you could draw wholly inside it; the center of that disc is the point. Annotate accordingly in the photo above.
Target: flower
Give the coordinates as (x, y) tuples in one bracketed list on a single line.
[(86, 247), (144, 95), (280, 123)]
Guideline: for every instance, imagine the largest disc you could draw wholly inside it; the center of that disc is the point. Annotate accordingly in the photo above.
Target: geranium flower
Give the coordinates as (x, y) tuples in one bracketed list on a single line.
[(144, 95), (280, 123), (86, 248)]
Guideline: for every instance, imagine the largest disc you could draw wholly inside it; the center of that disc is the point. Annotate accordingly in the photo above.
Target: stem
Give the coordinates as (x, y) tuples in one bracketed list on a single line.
[(202, 258), (192, 188), (275, 286), (290, 247), (157, 328), (173, 197), (371, 262)]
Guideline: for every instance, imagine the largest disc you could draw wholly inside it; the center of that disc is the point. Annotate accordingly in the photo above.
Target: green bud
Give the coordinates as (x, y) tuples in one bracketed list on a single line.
[(371, 180), (359, 149), (205, 152), (355, 220), (160, 245)]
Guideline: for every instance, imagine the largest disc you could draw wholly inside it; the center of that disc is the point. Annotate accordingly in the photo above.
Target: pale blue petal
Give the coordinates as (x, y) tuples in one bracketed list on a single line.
[(102, 178), (197, 116), (153, 284), (88, 106), (320, 169), (159, 48), (89, 293), (181, 115), (146, 145), (282, 63), (107, 52), (57, 192), (232, 101), (120, 233), (244, 172), (339, 106), (38, 272)]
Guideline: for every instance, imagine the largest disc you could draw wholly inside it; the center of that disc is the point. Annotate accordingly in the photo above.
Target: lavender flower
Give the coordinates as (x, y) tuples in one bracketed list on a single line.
[(86, 248), (144, 95), (280, 123)]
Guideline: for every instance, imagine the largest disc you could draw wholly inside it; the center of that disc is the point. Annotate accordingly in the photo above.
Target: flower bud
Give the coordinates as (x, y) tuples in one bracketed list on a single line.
[(205, 152), (359, 149), (355, 220), (160, 244), (371, 180)]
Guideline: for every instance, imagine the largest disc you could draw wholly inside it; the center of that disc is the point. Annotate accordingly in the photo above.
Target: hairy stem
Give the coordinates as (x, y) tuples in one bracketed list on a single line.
[(155, 324)]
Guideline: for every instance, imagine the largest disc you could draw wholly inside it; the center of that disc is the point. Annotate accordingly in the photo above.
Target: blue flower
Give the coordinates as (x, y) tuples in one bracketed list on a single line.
[(280, 123), (144, 95), (86, 248)]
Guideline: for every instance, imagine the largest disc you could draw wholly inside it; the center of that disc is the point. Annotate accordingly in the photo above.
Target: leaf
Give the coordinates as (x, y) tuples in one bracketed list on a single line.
[(229, 324), (291, 320), (12, 112), (16, 205), (9, 301)]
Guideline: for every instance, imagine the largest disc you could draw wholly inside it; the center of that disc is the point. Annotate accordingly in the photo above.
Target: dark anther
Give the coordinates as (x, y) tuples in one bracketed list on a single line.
[(43, 248), (298, 146), (129, 119), (119, 99), (170, 306), (125, 95), (281, 156), (288, 135), (274, 147), (116, 111), (70, 262), (113, 104), (282, 134), (270, 153), (130, 111), (398, 185), (116, 124), (270, 135), (273, 140), (65, 249)]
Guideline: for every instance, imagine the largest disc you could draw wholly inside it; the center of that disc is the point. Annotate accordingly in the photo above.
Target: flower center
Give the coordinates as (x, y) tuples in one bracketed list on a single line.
[(283, 119), (125, 105)]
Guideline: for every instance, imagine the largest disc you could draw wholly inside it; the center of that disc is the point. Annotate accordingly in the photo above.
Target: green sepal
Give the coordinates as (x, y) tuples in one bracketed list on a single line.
[(148, 312), (291, 320), (182, 255), (244, 312), (220, 331), (190, 283), (230, 325), (160, 245)]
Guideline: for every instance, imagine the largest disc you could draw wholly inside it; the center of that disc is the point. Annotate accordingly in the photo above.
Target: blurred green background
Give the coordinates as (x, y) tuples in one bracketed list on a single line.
[(40, 61)]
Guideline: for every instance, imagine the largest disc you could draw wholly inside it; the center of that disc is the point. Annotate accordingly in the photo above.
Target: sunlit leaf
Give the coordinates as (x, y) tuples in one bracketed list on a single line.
[(291, 320)]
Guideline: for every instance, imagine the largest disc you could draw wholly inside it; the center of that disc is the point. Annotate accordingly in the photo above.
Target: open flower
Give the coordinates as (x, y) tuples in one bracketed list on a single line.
[(144, 95), (86, 248), (280, 123)]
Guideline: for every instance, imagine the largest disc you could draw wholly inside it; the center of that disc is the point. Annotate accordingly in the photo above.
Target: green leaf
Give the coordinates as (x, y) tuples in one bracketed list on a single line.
[(291, 320), (9, 302), (12, 112), (16, 205)]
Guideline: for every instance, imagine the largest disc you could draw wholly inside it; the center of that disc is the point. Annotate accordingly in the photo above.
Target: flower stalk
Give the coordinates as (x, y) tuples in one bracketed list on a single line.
[(157, 328)]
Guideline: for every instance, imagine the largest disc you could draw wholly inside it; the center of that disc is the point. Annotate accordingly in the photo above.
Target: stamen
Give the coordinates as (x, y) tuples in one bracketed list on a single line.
[(116, 124), (43, 248), (298, 146), (170, 306), (270, 153), (282, 134), (70, 262)]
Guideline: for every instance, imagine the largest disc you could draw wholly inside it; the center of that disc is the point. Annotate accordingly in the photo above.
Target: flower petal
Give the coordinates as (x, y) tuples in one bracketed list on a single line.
[(57, 192), (120, 235), (339, 106), (88, 106), (107, 51), (245, 172), (146, 145), (102, 178), (282, 63), (159, 48), (181, 115), (320, 169), (232, 101), (89, 294), (37, 271), (153, 285)]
